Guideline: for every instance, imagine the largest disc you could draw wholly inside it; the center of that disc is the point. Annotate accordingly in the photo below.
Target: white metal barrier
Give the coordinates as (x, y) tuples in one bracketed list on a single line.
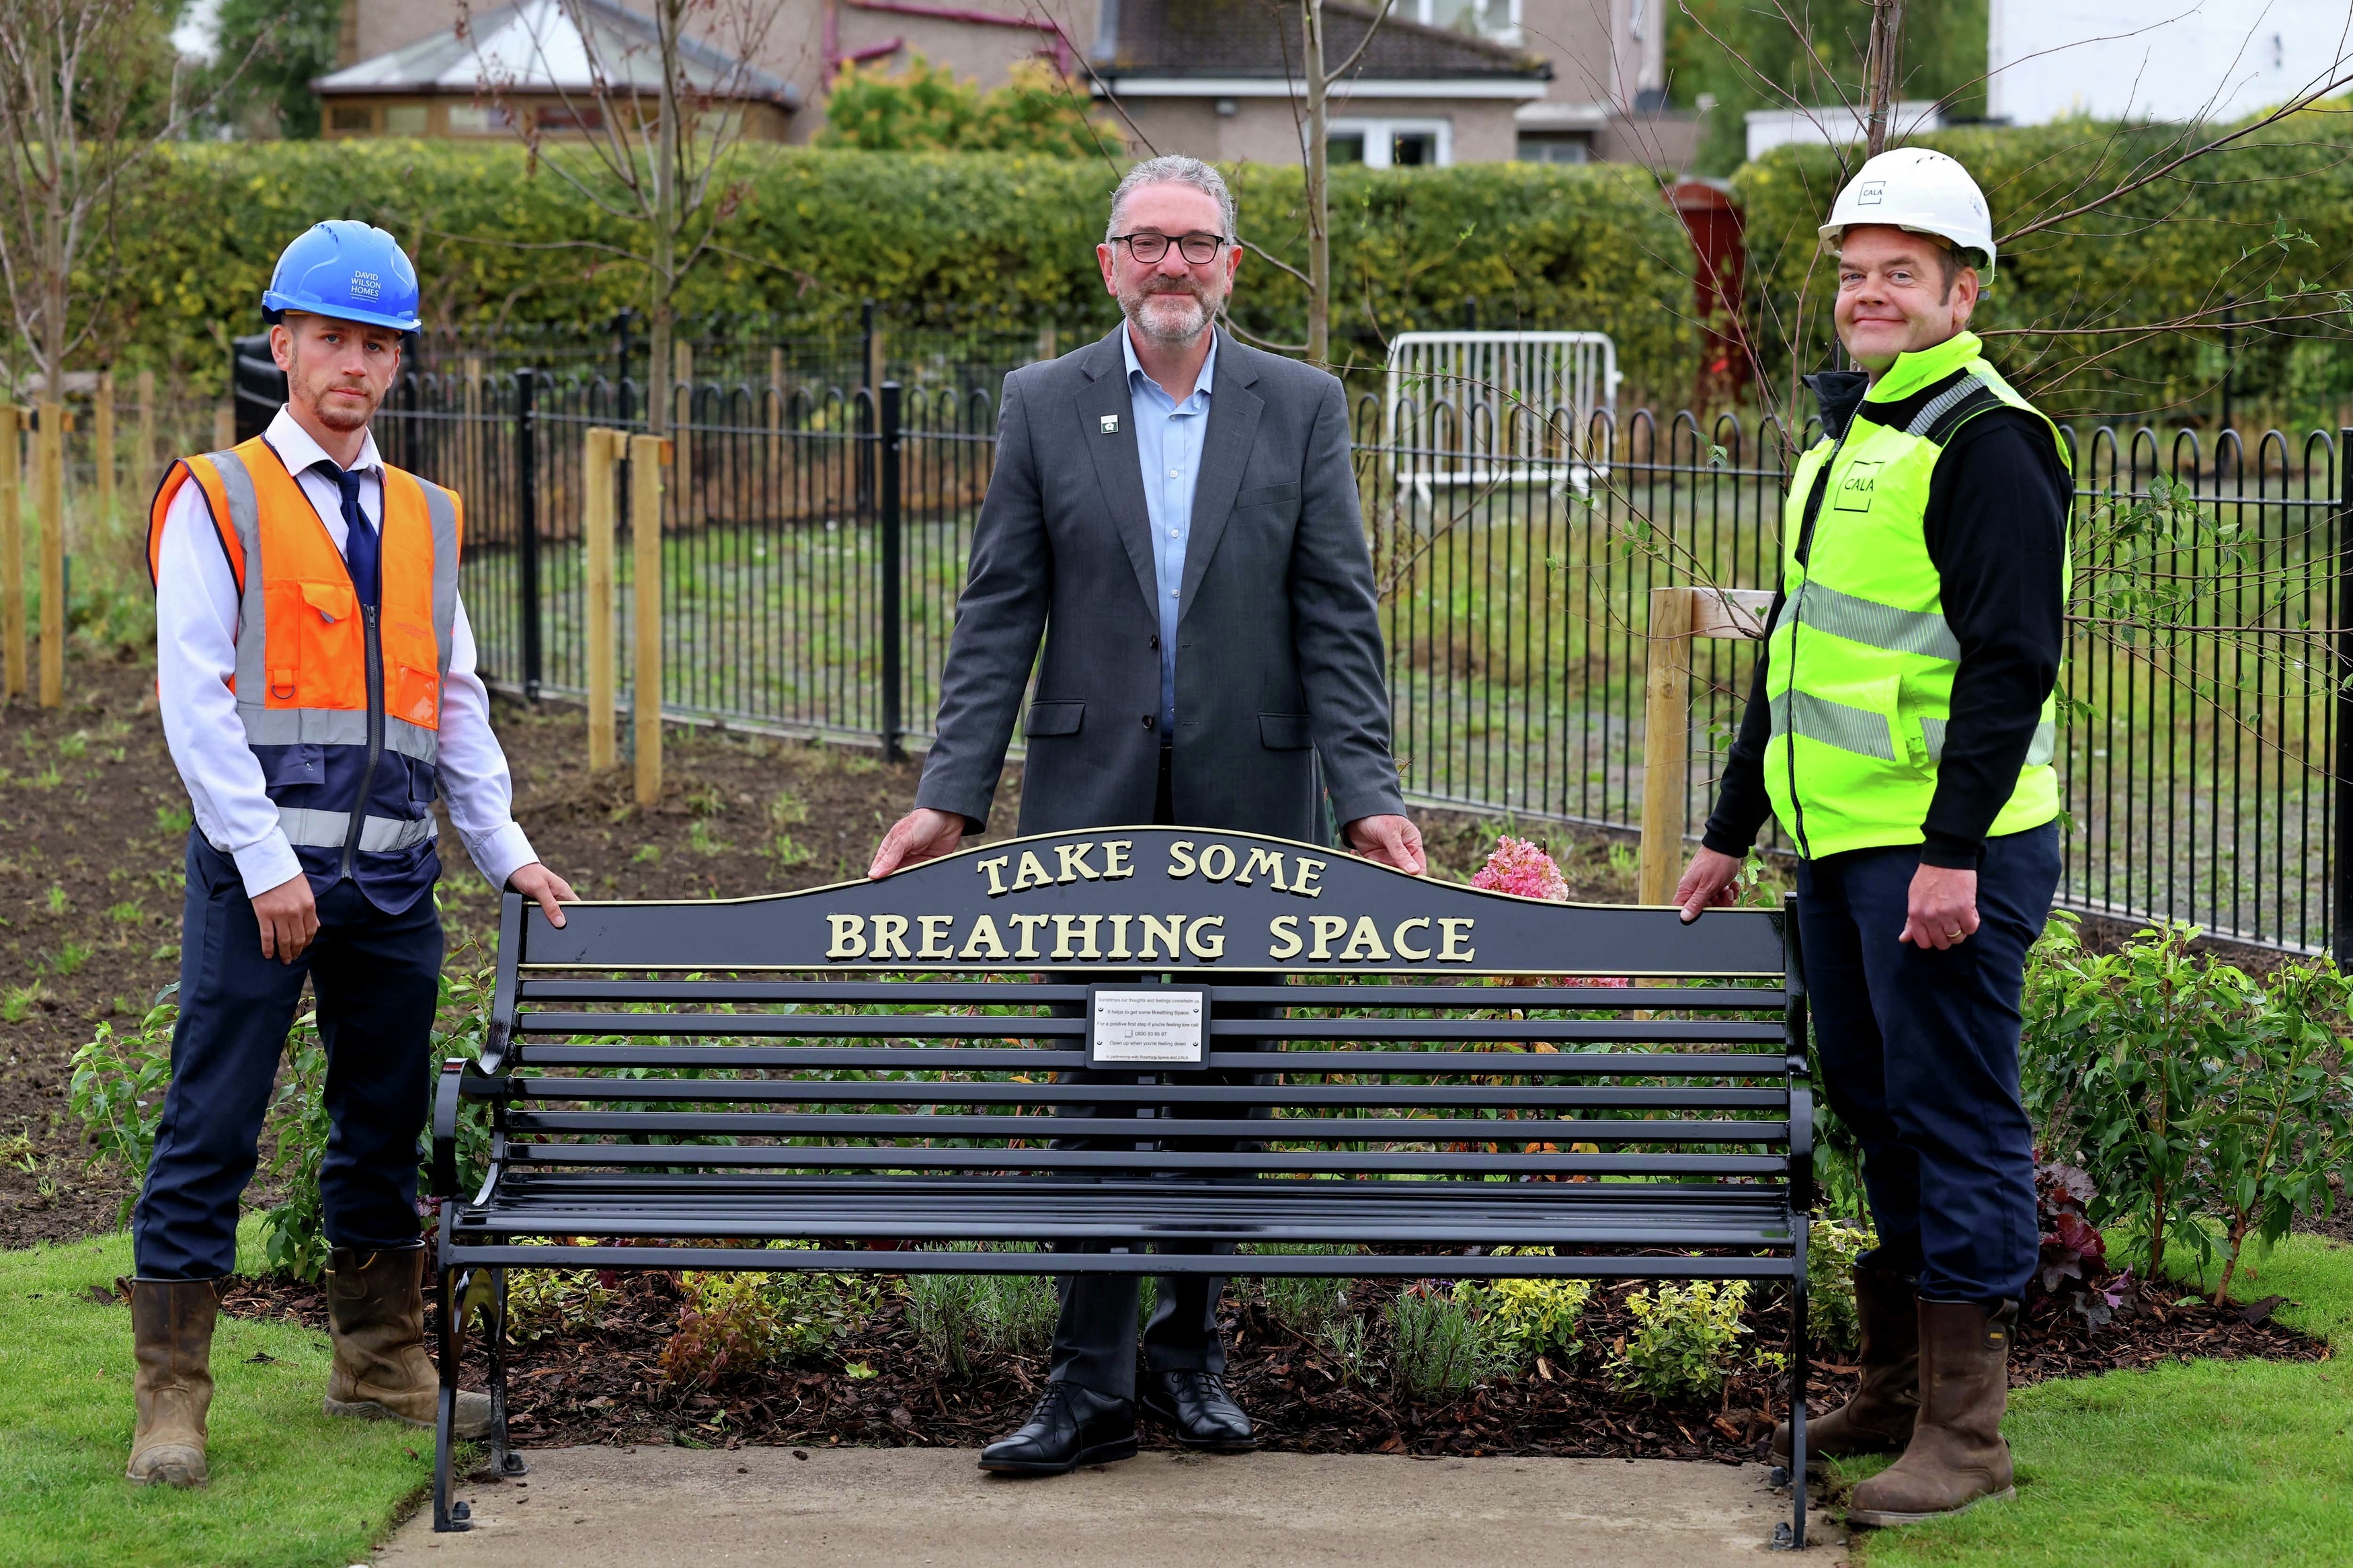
[(1486, 408)]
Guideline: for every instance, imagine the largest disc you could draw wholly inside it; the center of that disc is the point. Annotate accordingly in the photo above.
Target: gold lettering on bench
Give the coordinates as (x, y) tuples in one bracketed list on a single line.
[(1396, 939), (1284, 929), (984, 929), (1269, 861), (889, 938), (1170, 932), (990, 869), (1364, 942), (1326, 927), (848, 936), (1074, 862), (1116, 865), (937, 930), (1212, 950), (1033, 873), (1450, 939), (1028, 926), (1063, 934)]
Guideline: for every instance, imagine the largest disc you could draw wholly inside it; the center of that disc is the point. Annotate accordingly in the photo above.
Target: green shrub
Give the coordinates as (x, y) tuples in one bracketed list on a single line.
[(1437, 1350), (1306, 1304), (735, 1323), (541, 1302), (1003, 1313), (2203, 1104), (1831, 1249), (924, 108), (1686, 1342), (117, 1093), (809, 232), (1520, 1319)]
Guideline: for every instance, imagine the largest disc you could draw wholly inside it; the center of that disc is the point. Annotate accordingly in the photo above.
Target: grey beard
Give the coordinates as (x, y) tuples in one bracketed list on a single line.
[(1134, 307)]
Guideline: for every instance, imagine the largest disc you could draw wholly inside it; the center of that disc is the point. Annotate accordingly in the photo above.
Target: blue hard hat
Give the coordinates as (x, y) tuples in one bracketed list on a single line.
[(347, 269)]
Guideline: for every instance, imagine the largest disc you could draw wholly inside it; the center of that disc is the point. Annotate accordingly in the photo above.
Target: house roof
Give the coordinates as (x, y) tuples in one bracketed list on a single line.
[(1252, 40), (535, 47)]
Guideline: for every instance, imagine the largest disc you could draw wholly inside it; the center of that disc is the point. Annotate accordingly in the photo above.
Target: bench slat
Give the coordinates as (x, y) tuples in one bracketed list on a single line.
[(1321, 1128), (966, 1058), (991, 993), (943, 1027), (901, 1092), (1173, 1162), (1353, 1266)]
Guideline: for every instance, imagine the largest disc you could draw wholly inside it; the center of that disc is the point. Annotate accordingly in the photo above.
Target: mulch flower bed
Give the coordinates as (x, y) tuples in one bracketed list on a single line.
[(608, 1386)]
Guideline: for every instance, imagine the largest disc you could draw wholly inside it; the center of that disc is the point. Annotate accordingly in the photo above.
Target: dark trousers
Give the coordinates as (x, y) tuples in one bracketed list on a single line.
[(375, 978), (1919, 1057), (1095, 1335)]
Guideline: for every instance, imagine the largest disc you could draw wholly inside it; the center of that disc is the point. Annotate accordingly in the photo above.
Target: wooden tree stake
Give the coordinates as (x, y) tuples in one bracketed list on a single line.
[(600, 491), (14, 648), (49, 516), (102, 453), (647, 454), (1677, 616)]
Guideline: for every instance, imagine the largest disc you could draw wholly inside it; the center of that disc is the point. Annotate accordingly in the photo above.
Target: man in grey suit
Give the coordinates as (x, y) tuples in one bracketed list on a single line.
[(1175, 515)]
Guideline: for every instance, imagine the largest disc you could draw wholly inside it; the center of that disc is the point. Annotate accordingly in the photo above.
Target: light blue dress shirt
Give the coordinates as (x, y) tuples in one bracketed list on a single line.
[(1168, 440)]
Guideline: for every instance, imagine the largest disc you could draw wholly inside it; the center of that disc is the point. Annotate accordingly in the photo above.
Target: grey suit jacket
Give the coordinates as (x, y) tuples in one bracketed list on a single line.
[(1279, 646)]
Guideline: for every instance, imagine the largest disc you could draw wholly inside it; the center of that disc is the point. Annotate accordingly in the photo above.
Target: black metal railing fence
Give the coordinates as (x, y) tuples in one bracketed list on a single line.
[(815, 540)]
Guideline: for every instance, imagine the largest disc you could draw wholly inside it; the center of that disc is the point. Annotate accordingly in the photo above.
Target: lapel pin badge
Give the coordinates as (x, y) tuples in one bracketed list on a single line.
[(1111, 424)]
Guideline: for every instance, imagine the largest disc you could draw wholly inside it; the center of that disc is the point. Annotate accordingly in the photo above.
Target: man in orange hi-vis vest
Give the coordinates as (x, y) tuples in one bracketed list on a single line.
[(316, 677)]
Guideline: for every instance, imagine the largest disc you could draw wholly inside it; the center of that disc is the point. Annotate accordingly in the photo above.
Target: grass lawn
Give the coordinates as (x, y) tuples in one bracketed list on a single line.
[(289, 1486), (2211, 1463)]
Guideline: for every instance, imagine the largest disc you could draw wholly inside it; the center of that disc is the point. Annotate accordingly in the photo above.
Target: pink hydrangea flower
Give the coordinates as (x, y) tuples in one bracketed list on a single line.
[(1519, 866)]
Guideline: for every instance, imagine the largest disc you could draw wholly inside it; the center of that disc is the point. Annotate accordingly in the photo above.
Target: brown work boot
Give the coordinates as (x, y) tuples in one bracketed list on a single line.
[(375, 1314), (172, 1328), (1956, 1458), (1878, 1419)]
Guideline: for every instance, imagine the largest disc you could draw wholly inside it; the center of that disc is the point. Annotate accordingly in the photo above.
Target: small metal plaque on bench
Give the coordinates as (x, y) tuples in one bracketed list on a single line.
[(1147, 1026)]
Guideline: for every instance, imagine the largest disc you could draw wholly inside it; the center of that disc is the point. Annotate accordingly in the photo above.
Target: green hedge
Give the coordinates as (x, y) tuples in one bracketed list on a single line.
[(813, 231), (2257, 225)]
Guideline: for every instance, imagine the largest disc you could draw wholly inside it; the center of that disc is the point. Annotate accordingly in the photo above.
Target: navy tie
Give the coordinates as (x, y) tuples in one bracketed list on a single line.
[(359, 535)]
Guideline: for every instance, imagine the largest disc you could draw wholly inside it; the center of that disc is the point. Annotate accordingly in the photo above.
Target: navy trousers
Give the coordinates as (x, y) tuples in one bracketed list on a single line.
[(1919, 1057), (375, 978)]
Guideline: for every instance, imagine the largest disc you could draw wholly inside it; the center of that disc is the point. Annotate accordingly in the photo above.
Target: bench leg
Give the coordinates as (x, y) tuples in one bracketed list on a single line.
[(1791, 1536), (448, 1515), (504, 1461)]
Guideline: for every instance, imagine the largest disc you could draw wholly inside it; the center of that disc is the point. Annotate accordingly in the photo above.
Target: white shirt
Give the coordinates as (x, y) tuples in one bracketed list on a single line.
[(197, 607)]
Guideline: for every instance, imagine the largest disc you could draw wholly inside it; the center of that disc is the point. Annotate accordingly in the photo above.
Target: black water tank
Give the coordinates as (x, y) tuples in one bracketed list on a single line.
[(256, 383)]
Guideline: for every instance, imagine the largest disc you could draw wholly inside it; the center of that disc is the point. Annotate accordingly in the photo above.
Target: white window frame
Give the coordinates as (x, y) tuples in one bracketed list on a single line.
[(1380, 137), (1425, 13)]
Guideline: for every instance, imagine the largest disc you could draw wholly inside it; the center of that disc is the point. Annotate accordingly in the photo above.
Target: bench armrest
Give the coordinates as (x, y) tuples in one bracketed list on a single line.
[(501, 1037), (1801, 1147), (457, 1082)]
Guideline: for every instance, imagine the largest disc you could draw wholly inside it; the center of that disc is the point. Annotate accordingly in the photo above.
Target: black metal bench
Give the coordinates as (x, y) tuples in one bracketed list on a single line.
[(648, 1077)]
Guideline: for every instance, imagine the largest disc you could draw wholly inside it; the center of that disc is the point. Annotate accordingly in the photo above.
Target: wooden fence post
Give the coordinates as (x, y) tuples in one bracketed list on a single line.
[(598, 495), (224, 425), (647, 454), (49, 516), (103, 452), (14, 648), (1677, 616), (145, 474)]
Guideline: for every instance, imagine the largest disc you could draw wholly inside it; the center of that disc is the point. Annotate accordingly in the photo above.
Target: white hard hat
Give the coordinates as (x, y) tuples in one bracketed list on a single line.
[(1920, 190)]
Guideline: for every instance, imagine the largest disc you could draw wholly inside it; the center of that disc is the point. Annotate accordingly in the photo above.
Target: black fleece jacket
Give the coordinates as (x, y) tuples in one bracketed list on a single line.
[(1998, 504)]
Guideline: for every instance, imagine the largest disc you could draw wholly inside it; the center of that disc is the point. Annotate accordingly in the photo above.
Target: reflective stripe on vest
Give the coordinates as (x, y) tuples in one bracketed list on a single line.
[(309, 829), (1861, 660)]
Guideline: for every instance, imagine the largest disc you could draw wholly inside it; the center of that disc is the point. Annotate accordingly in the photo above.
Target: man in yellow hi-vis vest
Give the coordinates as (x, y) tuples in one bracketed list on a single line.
[(1901, 727)]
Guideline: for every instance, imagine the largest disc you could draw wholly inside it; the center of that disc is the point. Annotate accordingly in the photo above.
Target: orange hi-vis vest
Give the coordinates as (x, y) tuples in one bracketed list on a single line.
[(341, 700)]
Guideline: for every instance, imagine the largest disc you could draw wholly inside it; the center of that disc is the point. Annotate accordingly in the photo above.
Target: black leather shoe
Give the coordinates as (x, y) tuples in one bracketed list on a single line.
[(1196, 1406), (1072, 1425)]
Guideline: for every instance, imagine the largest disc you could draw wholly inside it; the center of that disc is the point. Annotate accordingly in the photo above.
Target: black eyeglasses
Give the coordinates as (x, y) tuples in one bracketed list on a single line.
[(1149, 248)]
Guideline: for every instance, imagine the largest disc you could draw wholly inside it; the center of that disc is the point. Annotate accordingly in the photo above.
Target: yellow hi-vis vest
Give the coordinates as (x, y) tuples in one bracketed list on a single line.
[(1859, 662)]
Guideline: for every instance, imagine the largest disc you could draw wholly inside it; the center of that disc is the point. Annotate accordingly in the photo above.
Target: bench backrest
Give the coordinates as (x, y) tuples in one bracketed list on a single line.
[(903, 1025)]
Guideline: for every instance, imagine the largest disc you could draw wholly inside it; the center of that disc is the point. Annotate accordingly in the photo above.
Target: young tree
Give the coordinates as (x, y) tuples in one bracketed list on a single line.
[(654, 126), (290, 44), (86, 93)]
